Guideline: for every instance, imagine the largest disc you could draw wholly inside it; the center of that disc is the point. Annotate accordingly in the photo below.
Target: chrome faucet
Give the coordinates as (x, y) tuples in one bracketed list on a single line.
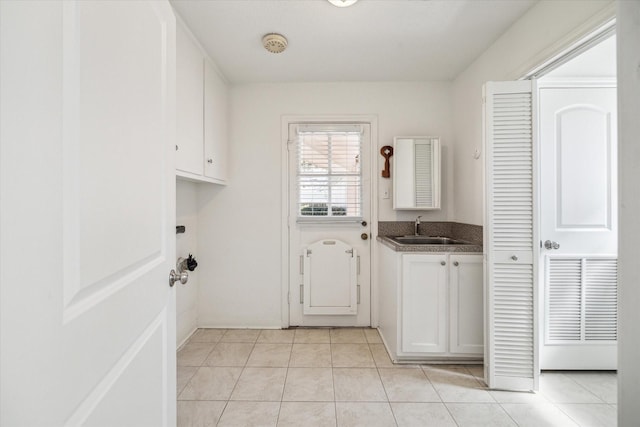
[(417, 225)]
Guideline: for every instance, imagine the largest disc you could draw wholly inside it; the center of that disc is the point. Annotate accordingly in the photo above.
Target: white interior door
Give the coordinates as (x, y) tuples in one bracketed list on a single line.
[(511, 354), (88, 207), (329, 201), (578, 223)]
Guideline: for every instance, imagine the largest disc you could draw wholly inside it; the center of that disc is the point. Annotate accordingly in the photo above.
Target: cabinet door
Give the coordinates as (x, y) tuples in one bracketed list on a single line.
[(189, 100), (215, 124), (424, 303), (466, 304)]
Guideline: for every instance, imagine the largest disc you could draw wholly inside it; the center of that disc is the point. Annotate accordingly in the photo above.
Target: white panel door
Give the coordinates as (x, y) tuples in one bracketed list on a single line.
[(424, 303), (578, 225), (511, 359), (344, 160), (88, 212)]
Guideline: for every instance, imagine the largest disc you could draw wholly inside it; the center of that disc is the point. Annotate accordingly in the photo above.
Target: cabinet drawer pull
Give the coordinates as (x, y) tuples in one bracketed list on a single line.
[(455, 263), (443, 263), (209, 160)]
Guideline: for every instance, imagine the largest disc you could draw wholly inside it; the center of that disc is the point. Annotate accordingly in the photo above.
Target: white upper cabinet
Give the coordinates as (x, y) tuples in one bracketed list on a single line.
[(201, 115), (416, 173), (215, 124)]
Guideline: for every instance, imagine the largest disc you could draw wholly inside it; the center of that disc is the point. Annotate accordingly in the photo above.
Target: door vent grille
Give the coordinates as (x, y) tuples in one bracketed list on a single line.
[(581, 300)]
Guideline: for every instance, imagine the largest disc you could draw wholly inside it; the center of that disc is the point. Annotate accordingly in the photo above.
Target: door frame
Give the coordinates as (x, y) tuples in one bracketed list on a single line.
[(287, 120)]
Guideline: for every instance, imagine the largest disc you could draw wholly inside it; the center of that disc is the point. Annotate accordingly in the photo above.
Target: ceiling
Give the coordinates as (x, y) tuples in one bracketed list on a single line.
[(373, 40)]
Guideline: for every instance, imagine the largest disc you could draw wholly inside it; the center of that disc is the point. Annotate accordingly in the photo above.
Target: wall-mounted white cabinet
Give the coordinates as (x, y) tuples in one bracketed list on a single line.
[(416, 173), (201, 116), (433, 305)]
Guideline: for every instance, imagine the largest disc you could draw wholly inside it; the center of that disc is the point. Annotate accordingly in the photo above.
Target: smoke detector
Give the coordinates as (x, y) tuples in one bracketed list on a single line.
[(274, 43), (342, 3)]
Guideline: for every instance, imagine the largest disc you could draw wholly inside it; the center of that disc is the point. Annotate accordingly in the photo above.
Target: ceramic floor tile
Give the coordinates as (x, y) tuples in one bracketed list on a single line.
[(537, 415), (558, 388), (276, 336), (422, 415), (358, 384), (199, 413), (372, 336), (364, 414), (184, 375), (194, 353), (250, 414), (351, 356), (310, 356), (229, 354), (603, 384), (270, 355), (241, 335), (517, 397), (591, 415), (312, 336), (380, 356), (480, 415), (348, 336), (457, 385), (211, 383), (307, 414), (309, 384), (207, 335), (477, 371), (260, 384), (407, 385)]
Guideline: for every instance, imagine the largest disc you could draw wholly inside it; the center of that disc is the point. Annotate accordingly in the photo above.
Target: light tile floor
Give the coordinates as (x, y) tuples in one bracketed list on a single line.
[(344, 377)]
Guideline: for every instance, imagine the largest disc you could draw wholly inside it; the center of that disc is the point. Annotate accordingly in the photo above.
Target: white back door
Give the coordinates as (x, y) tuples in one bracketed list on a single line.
[(88, 213), (329, 201), (511, 359), (578, 225)]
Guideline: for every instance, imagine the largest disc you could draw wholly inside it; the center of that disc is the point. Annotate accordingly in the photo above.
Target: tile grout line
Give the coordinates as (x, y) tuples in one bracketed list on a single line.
[(395, 420)]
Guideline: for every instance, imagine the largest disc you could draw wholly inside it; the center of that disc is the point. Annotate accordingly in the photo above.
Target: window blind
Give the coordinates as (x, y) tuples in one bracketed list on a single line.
[(329, 173)]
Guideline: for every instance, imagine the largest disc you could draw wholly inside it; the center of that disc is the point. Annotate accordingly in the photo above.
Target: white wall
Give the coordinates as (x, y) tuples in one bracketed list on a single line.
[(628, 22), (240, 225), (532, 39), (186, 243)]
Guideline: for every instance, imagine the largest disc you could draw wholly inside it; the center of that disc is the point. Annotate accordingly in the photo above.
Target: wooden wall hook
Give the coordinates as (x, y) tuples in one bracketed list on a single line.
[(387, 152)]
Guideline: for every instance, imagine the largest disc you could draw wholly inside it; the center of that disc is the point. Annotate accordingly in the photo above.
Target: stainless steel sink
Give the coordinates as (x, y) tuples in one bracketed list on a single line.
[(427, 240)]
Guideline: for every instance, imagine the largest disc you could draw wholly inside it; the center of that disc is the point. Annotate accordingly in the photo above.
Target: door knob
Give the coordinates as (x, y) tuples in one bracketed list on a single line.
[(177, 277), (551, 245), (364, 236), (364, 223)]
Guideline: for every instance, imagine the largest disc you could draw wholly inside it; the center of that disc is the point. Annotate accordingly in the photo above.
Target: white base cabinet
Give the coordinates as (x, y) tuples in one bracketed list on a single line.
[(433, 305)]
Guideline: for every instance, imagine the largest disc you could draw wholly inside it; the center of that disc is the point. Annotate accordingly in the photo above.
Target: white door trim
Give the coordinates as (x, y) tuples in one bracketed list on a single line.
[(284, 213)]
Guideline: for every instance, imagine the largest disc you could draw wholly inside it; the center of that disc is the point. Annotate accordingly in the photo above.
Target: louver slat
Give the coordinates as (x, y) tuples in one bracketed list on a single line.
[(601, 300), (513, 324), (582, 300), (564, 300), (423, 174), (510, 231)]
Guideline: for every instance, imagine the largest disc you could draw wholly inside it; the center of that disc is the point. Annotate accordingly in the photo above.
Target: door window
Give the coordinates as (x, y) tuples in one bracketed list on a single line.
[(329, 173)]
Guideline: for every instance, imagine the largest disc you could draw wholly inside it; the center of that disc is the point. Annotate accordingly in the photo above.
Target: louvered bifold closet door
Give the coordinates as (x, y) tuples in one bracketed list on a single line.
[(510, 353)]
